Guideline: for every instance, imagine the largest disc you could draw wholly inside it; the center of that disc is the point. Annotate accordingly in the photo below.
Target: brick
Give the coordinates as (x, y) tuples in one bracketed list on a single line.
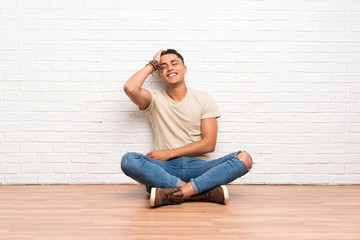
[(67, 4), (36, 147), (54, 157), (118, 178), (42, 4), (330, 148), (8, 66), (353, 169), (17, 56), (330, 6), (54, 179), (35, 46), (9, 168), (69, 147), (344, 179), (85, 76), (9, 147), (69, 86), (21, 117), (20, 137), (17, 13), (333, 107), (346, 118), (35, 107), (86, 158), (266, 108), (353, 148), (105, 4), (52, 56), (18, 35), (102, 66), (86, 137), (313, 179), (122, 138), (104, 86), (101, 148), (53, 76), (37, 168), (68, 107), (21, 179), (87, 179), (67, 66), (36, 86), (85, 35), (8, 45), (70, 168), (87, 117), (9, 76), (8, 106), (281, 179), (104, 168), (297, 168), (52, 35), (8, 4), (54, 137), (20, 158)]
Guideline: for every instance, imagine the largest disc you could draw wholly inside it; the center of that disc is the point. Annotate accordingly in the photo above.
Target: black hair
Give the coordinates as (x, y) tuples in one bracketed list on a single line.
[(173, 51)]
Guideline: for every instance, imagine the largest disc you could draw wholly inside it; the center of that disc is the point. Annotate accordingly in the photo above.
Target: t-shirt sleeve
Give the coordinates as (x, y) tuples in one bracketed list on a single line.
[(150, 108), (210, 109)]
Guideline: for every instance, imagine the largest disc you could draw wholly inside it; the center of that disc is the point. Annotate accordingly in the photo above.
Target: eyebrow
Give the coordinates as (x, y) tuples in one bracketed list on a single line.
[(170, 62)]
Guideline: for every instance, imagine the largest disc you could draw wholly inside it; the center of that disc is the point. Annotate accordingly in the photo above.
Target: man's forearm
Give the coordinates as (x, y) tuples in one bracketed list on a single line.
[(137, 80), (193, 149)]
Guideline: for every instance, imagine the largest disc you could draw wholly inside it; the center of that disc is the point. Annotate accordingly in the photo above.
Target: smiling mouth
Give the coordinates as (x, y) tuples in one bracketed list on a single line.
[(172, 75)]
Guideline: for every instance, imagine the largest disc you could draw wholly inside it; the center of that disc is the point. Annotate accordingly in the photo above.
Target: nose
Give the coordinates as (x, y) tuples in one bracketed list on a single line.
[(170, 68)]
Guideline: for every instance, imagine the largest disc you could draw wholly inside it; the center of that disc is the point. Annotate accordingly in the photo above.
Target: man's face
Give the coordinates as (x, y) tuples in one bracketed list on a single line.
[(171, 70)]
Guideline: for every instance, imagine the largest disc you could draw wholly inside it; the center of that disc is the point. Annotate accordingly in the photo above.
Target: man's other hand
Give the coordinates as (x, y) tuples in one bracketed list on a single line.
[(158, 55), (161, 155)]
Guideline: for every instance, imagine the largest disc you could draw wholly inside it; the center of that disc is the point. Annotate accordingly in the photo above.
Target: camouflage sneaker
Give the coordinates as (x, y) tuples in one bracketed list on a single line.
[(219, 194), (166, 196)]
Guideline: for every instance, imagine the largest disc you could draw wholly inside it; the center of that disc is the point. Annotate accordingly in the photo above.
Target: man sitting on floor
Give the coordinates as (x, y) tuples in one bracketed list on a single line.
[(184, 123)]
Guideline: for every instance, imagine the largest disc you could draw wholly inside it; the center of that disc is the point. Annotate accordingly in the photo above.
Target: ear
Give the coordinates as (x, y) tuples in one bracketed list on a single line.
[(185, 69)]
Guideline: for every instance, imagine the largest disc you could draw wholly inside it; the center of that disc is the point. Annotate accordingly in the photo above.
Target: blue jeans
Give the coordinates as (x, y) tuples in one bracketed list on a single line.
[(202, 174)]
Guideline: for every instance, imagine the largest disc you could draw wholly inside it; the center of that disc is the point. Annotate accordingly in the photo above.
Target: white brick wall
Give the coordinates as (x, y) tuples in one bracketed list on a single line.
[(285, 74)]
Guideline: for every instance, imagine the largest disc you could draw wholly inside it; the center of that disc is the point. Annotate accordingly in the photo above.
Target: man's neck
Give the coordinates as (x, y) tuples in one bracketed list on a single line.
[(177, 93)]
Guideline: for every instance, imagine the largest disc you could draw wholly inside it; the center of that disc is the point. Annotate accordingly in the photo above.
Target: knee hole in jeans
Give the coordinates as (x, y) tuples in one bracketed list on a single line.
[(245, 158)]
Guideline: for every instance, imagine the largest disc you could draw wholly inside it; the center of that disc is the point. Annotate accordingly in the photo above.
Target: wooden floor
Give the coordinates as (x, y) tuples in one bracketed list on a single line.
[(122, 212)]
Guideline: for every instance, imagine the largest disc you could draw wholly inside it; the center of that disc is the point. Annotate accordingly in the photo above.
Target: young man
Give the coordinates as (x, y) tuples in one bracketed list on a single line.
[(184, 123)]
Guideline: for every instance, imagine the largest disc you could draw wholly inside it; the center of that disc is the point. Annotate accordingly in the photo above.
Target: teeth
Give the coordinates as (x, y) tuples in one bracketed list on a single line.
[(173, 74)]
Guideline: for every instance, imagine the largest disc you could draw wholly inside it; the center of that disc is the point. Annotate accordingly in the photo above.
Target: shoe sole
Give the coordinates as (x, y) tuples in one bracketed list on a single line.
[(152, 197), (226, 193)]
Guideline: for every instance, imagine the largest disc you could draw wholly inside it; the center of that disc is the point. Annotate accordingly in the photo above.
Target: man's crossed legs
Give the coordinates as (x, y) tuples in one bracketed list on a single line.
[(184, 177)]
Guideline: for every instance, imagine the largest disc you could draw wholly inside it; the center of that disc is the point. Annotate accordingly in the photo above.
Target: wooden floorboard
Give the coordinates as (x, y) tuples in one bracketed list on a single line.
[(122, 212)]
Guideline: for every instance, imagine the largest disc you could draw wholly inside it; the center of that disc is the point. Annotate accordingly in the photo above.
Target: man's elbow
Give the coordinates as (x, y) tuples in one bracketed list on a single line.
[(129, 90), (211, 146)]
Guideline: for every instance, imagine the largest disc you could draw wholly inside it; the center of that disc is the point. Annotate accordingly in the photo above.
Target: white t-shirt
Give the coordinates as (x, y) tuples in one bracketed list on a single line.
[(176, 124)]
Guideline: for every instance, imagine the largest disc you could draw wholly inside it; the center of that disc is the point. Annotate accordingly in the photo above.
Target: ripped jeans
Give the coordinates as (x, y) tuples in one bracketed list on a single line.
[(202, 174)]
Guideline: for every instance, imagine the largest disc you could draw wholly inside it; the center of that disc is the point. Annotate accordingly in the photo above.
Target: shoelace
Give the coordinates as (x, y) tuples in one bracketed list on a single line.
[(207, 196), (171, 199)]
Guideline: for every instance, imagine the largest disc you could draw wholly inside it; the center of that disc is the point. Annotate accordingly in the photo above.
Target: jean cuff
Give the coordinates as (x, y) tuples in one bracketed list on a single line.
[(194, 185), (178, 183)]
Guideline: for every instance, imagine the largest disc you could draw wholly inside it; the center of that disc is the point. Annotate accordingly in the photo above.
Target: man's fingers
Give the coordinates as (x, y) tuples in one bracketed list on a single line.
[(158, 54), (149, 154)]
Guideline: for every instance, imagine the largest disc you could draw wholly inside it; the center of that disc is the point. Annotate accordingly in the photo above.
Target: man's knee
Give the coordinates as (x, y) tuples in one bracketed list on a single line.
[(245, 158), (127, 160)]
